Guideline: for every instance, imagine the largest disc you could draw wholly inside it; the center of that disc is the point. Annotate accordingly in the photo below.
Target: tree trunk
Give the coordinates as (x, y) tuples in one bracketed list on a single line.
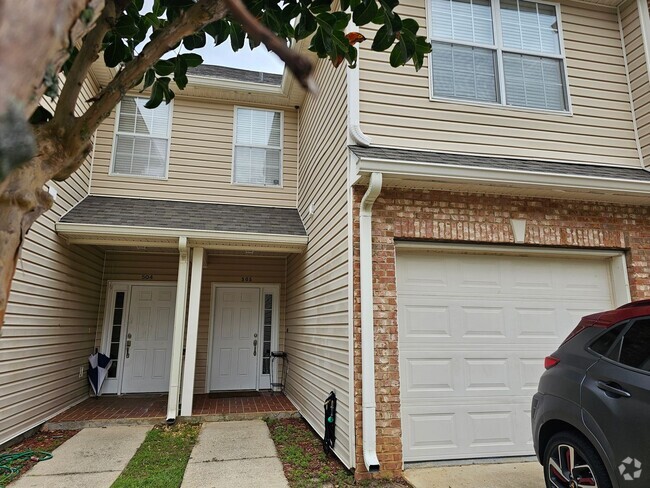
[(24, 198)]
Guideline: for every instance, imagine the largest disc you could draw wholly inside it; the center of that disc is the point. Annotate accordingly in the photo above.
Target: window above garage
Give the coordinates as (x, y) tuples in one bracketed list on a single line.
[(504, 52)]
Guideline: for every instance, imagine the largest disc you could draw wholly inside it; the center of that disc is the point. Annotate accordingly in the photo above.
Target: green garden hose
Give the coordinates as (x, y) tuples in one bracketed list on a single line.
[(12, 463)]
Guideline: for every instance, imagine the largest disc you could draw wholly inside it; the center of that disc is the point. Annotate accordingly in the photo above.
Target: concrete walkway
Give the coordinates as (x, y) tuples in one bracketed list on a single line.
[(230, 454), (94, 457), (505, 475)]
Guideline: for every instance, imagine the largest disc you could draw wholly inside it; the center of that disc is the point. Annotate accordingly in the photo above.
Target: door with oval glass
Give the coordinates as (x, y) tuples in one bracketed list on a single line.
[(236, 344)]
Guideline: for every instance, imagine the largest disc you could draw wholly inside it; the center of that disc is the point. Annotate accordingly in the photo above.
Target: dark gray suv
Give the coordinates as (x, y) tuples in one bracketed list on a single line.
[(591, 415)]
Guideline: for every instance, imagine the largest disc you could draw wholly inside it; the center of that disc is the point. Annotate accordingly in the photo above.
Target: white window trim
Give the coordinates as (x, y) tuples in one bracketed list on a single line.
[(498, 48), (234, 146), (116, 133)]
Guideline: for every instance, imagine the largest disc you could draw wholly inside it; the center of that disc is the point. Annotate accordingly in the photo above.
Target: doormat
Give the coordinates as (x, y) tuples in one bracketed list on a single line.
[(233, 394)]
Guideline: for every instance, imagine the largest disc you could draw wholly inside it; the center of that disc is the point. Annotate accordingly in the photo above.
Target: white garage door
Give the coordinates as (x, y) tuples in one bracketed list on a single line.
[(473, 332)]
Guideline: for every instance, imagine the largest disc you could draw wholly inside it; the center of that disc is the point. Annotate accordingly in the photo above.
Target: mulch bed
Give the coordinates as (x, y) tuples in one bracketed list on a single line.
[(306, 465), (41, 441)]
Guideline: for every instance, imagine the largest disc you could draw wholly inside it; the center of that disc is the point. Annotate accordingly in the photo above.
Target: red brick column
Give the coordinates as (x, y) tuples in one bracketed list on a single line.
[(470, 218)]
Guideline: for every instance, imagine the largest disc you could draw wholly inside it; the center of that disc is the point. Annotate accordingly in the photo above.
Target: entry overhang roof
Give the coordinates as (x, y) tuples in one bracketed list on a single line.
[(117, 221)]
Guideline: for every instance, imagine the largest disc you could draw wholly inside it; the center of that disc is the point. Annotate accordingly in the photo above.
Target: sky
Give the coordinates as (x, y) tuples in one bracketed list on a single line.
[(258, 59)]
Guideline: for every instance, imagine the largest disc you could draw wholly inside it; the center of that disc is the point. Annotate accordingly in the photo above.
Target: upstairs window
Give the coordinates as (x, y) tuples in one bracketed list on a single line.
[(258, 147), (141, 143), (505, 52)]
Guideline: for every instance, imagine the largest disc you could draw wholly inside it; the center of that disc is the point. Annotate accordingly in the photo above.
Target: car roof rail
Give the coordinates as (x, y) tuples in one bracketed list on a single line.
[(638, 303)]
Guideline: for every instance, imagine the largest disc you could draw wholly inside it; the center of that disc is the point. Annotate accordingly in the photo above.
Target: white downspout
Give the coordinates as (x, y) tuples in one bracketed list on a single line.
[(179, 331), (369, 433), (355, 134)]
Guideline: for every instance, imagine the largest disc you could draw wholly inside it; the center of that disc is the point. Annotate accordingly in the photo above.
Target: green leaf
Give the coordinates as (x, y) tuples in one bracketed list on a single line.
[(345, 4), (383, 39), (219, 30), (306, 25), (320, 6), (158, 9), (149, 78), (365, 12), (115, 52), (410, 25), (180, 73), (342, 20), (191, 59), (195, 41), (164, 67), (126, 27), (398, 56), (156, 97), (151, 19), (237, 37)]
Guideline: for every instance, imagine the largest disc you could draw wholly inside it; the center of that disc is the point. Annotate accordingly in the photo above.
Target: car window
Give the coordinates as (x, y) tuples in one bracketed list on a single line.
[(635, 348), (603, 343)]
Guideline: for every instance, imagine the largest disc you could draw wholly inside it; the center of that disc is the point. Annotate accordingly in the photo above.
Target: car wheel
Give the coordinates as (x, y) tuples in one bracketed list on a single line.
[(571, 462)]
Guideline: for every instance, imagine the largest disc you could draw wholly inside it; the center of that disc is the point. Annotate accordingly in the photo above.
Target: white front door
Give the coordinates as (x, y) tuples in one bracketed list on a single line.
[(236, 343), (147, 355)]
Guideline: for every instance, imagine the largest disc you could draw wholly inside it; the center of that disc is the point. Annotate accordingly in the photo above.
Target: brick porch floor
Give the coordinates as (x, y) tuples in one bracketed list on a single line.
[(155, 407)]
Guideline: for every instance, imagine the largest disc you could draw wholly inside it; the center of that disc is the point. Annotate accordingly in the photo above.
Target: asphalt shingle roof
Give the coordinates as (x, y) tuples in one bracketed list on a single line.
[(236, 74), (489, 162), (166, 214)]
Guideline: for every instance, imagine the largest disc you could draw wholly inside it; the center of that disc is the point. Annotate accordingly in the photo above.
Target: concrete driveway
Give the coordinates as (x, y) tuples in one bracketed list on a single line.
[(504, 475)]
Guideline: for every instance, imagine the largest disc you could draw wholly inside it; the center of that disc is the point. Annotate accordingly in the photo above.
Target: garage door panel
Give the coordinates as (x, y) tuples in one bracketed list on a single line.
[(479, 275), (461, 373), (473, 334), (455, 431), (512, 321)]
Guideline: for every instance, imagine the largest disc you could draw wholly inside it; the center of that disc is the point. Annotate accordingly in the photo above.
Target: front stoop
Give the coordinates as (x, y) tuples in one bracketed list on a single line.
[(83, 424)]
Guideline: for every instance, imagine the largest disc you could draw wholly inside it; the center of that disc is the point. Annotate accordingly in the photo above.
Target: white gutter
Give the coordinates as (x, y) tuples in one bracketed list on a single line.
[(443, 172), (179, 331), (161, 232), (369, 432)]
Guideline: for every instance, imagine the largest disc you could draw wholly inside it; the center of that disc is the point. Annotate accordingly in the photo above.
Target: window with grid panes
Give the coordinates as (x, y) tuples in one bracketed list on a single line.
[(258, 147), (498, 51), (141, 139)]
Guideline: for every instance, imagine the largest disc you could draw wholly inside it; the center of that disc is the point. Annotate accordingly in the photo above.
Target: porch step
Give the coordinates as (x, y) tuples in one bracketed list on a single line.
[(83, 424)]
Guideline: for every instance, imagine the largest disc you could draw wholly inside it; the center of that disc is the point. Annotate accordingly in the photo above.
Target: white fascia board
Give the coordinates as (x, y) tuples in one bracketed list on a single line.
[(434, 171), (234, 85), (133, 232)]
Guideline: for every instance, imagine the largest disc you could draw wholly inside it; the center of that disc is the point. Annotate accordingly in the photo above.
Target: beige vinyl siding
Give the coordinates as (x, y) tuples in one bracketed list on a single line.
[(638, 73), (317, 338), (200, 164), (50, 323), (131, 266), (396, 109)]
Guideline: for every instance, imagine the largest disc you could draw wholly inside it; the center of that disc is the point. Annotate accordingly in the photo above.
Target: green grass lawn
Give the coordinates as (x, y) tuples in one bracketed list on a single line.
[(161, 459)]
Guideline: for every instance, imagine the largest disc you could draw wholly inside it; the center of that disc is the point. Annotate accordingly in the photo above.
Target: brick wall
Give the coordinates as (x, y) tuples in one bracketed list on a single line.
[(471, 218)]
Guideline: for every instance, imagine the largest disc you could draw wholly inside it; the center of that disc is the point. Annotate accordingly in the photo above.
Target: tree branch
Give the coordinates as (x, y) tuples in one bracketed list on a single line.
[(35, 39), (299, 65), (193, 19), (86, 56)]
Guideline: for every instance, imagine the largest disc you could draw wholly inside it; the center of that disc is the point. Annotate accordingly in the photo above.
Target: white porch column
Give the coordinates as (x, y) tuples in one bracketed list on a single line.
[(179, 330), (192, 332)]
